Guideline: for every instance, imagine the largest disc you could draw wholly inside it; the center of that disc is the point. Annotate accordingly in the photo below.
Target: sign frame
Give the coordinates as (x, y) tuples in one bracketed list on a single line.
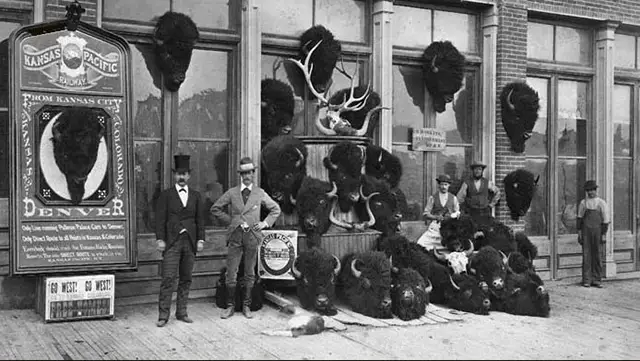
[(428, 140), (288, 238), (103, 82)]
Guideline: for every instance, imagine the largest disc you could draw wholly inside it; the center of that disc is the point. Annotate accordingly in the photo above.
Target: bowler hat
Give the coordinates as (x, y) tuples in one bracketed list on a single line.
[(246, 165), (589, 185), (181, 163), (443, 178), (477, 163)]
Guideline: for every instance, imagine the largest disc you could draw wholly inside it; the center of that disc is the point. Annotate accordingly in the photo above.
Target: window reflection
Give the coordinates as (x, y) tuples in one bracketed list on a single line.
[(206, 13), (347, 19), (536, 220), (146, 11), (571, 175), (537, 144), (453, 161), (412, 181), (411, 26), (622, 191), (147, 107), (408, 101), (539, 41), (573, 45), (148, 174), (456, 120), (464, 35), (286, 17), (622, 143), (625, 52), (572, 118)]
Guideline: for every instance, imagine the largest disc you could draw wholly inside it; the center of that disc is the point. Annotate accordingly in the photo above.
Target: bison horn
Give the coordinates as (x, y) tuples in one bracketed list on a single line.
[(336, 221), (469, 251), (509, 103), (453, 283), (329, 164), (324, 130), (372, 218), (393, 269), (354, 270), (297, 274), (292, 200), (439, 255), (472, 270), (537, 179), (336, 270), (429, 287), (334, 191), (299, 162), (505, 259), (360, 132), (380, 158), (434, 68)]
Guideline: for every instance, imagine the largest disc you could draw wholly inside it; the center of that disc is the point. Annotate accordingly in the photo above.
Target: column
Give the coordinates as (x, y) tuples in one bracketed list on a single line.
[(250, 49), (487, 130), (383, 67)]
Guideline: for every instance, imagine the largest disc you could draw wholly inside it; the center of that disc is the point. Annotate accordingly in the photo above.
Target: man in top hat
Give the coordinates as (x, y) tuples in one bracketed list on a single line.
[(244, 231), (478, 195), (180, 217), (440, 206), (593, 224)]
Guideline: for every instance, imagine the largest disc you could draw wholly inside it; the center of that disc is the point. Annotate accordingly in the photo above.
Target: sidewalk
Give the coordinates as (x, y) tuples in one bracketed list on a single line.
[(585, 323)]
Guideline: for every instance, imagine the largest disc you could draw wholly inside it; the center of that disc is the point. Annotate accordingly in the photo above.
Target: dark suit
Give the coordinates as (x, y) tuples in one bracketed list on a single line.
[(240, 242), (179, 255)]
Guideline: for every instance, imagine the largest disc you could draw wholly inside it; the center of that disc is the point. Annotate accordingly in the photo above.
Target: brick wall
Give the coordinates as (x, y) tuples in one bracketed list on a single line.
[(626, 11), (56, 10)]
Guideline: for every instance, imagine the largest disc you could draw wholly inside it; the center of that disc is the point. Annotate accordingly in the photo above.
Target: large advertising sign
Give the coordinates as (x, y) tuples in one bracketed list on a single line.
[(276, 254), (72, 200)]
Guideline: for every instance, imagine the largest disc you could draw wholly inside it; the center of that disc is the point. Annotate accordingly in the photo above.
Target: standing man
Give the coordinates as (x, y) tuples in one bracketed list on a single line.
[(244, 232), (478, 195), (440, 206), (593, 224), (179, 225)]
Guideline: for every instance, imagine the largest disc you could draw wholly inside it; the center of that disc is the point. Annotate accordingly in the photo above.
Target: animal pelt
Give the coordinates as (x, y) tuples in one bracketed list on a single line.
[(300, 325), (369, 291), (409, 294), (381, 164), (443, 72), (520, 187), (357, 118), (316, 272), (520, 104), (257, 293), (498, 235), (284, 162), (467, 294), (324, 58), (454, 232), (277, 107), (488, 265), (174, 37)]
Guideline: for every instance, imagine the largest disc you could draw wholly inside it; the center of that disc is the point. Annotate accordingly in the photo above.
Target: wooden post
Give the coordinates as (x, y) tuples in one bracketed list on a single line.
[(383, 66), (250, 52), (488, 95)]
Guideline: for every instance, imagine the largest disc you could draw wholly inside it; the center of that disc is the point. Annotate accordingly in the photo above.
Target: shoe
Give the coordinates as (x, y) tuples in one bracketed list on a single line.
[(228, 312), (161, 323), (246, 311), (184, 319), (597, 285), (586, 285)]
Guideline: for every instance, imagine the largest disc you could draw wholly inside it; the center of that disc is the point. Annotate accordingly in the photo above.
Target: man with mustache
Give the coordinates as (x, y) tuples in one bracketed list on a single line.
[(180, 234), (478, 195)]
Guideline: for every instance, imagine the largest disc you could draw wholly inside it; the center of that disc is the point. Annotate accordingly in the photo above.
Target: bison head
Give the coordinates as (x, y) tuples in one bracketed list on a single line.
[(277, 106), (455, 231), (316, 271), (443, 71), (314, 204), (489, 265), (383, 205), (284, 160), (364, 119), (520, 187), (344, 164), (457, 261), (76, 137), (367, 283), (409, 293), (174, 37), (468, 294), (526, 295), (324, 58), (520, 104), (381, 164)]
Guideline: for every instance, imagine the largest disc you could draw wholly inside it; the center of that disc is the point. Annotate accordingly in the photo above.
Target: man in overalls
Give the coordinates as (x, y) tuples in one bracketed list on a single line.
[(592, 223)]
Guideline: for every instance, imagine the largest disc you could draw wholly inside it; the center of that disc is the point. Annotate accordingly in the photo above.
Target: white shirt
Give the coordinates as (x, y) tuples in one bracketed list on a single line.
[(184, 196), (242, 187)]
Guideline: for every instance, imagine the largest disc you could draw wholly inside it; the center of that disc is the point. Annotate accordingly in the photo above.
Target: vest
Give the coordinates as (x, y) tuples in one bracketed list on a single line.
[(440, 209), (477, 198)]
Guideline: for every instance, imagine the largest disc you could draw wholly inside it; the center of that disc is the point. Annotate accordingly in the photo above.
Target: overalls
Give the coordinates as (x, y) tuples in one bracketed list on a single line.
[(591, 241)]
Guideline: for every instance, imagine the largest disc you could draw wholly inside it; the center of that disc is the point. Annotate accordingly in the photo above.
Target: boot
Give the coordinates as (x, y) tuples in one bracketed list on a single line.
[(231, 303), (246, 303)]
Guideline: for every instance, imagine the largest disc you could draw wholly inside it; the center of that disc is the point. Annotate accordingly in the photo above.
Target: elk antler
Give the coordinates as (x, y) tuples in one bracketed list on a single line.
[(307, 69)]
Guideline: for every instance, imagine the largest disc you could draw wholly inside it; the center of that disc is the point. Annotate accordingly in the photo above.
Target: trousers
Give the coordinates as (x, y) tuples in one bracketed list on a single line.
[(178, 259), (242, 244), (591, 246)]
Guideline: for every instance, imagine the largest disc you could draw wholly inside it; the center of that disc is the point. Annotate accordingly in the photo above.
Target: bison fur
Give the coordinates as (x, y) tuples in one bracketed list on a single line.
[(524, 294), (520, 104), (383, 205), (489, 265), (324, 58), (316, 272), (314, 204), (344, 164), (284, 160), (277, 107), (443, 72), (496, 234), (174, 37), (409, 294), (381, 164), (468, 294), (455, 231), (366, 283), (520, 187)]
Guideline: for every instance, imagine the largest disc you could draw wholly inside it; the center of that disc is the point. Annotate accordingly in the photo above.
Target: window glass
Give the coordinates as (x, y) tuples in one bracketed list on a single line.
[(637, 52), (539, 41), (286, 17), (464, 35), (454, 161), (622, 142), (408, 101), (205, 13), (571, 177), (412, 182), (203, 111), (347, 19), (536, 219), (456, 120), (147, 104), (147, 11), (572, 118), (573, 45), (148, 179), (625, 52), (622, 191), (537, 144), (275, 67), (411, 26)]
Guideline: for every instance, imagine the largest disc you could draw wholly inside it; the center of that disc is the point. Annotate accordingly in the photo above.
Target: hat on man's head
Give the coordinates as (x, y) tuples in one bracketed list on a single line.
[(477, 163), (246, 165), (590, 184), (181, 163), (443, 178)]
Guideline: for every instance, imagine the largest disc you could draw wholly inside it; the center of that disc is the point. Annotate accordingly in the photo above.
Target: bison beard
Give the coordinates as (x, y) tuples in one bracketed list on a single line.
[(520, 187), (315, 271), (520, 104), (409, 294), (76, 137), (325, 57), (174, 37), (277, 106), (443, 72), (257, 293), (366, 280)]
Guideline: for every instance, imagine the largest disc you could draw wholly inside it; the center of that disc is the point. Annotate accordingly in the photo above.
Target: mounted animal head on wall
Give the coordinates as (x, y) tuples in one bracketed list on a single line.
[(443, 72), (324, 58), (277, 107), (520, 187), (174, 37), (520, 104)]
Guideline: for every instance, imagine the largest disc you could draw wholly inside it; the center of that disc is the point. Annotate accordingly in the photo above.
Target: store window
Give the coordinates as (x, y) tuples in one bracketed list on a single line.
[(623, 141), (559, 43)]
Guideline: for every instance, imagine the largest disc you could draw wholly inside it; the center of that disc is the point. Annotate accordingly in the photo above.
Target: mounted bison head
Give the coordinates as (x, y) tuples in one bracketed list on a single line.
[(324, 58), (314, 204), (366, 280), (455, 232), (381, 164), (520, 187), (277, 106), (316, 272), (344, 164), (174, 37), (443, 71), (284, 160), (524, 294), (76, 137), (383, 206), (489, 265), (520, 104), (468, 294), (409, 293)]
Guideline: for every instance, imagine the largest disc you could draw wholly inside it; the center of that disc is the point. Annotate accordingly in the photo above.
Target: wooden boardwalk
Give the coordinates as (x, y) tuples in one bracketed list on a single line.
[(584, 324)]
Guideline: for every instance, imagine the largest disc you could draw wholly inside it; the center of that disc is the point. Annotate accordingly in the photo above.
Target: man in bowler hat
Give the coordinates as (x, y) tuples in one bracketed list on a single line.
[(593, 224), (478, 195), (244, 232), (180, 234)]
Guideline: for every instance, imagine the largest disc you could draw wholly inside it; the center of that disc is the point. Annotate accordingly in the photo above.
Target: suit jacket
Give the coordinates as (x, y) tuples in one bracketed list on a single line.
[(241, 212), (172, 216)]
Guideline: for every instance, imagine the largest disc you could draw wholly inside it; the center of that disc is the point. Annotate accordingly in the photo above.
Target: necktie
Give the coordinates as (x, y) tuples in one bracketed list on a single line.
[(245, 194), (182, 190)]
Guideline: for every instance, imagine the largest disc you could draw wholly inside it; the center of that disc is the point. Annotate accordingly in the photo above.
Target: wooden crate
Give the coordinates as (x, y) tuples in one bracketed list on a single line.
[(342, 244)]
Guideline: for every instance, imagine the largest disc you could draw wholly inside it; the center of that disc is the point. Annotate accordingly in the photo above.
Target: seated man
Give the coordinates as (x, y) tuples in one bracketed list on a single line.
[(440, 205)]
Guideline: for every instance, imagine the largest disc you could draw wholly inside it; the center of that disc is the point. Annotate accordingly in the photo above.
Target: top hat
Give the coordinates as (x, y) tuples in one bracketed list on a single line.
[(246, 165), (589, 185), (181, 163), (443, 178), (477, 163)]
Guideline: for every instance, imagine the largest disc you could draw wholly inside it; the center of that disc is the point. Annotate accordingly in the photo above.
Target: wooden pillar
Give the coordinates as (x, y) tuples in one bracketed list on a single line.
[(487, 131), (250, 49), (602, 140), (382, 66)]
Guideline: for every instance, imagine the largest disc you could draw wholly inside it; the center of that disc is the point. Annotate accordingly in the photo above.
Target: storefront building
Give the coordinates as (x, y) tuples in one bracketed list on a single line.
[(582, 57)]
